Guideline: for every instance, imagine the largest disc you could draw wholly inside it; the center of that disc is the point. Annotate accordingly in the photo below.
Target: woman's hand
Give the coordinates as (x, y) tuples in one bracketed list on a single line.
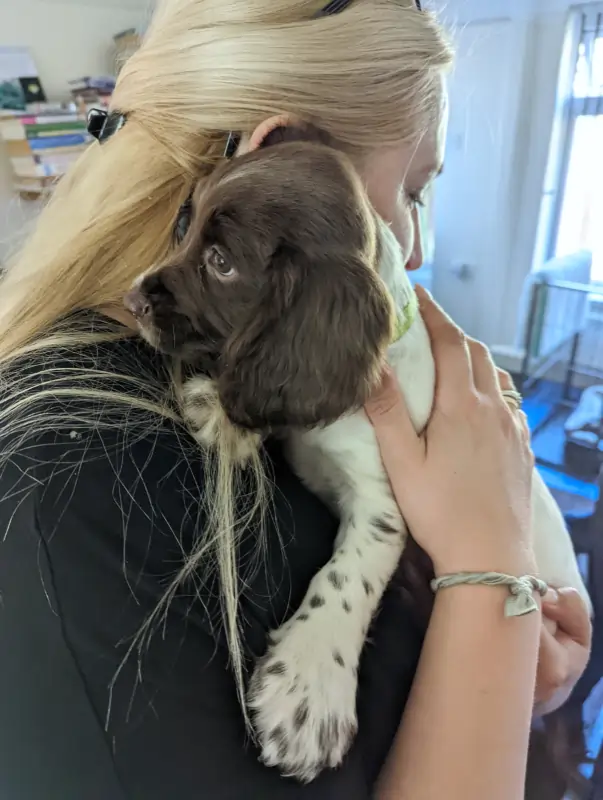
[(565, 644), (465, 483)]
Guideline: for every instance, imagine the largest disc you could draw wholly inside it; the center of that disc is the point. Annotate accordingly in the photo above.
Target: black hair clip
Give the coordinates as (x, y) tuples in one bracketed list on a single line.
[(232, 144), (102, 124), (337, 6), (333, 7)]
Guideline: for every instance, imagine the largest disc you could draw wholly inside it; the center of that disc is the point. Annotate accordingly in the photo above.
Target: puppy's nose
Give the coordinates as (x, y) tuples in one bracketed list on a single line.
[(137, 304)]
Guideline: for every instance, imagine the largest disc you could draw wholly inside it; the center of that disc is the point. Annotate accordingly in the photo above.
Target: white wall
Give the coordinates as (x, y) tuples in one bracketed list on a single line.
[(67, 39), (488, 200)]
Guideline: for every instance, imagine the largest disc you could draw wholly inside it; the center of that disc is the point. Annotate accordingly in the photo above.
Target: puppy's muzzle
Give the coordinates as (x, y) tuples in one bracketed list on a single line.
[(138, 305), (149, 299)]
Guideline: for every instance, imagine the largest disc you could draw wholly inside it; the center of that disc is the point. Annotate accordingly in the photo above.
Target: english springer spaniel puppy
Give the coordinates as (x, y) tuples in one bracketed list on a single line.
[(286, 296)]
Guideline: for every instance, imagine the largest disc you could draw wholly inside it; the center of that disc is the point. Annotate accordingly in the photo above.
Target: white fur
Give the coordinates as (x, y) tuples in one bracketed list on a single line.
[(303, 692)]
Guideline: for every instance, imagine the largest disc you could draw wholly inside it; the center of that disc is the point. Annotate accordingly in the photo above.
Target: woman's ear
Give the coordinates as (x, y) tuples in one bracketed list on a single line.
[(265, 128)]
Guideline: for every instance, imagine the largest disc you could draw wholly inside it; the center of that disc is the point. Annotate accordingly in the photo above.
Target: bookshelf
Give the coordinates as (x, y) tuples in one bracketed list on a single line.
[(41, 148), (42, 142)]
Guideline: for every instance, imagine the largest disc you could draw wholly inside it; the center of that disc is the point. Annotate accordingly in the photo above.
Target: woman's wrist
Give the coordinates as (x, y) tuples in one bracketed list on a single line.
[(517, 561)]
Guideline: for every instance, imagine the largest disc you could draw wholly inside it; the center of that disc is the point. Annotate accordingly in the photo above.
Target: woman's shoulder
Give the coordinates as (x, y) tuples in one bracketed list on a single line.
[(86, 423), (87, 378), (87, 357)]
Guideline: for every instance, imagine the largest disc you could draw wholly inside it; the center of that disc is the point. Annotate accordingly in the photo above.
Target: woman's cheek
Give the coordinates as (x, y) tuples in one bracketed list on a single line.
[(390, 203), (403, 229)]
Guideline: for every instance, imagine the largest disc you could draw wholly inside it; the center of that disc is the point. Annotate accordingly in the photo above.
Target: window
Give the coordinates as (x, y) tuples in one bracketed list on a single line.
[(578, 220)]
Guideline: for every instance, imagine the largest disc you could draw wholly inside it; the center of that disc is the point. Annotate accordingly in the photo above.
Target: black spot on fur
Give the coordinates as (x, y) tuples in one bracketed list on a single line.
[(346, 606), (302, 617), (279, 737), (327, 735), (316, 601), (338, 658), (368, 587), (301, 715), (359, 552), (278, 668), (336, 579)]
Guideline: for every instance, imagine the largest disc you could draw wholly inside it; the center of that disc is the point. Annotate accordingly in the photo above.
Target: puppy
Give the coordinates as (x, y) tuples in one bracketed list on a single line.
[(285, 296)]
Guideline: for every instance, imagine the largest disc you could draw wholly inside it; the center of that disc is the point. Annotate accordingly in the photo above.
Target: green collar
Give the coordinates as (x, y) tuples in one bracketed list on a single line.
[(405, 318)]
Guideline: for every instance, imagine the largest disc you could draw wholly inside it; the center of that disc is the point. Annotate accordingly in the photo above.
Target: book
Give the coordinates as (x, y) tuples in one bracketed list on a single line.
[(52, 119), (15, 128), (32, 90), (52, 129), (88, 83), (67, 140)]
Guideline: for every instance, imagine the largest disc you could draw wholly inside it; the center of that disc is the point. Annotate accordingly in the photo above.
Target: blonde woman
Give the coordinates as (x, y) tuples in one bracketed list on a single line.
[(122, 669)]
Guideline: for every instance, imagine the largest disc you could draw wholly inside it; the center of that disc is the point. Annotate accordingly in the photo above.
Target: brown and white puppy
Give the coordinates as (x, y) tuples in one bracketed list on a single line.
[(274, 291), (276, 301)]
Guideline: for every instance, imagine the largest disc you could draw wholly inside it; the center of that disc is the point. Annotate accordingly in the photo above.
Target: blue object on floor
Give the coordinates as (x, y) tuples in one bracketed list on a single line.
[(565, 483), (536, 410)]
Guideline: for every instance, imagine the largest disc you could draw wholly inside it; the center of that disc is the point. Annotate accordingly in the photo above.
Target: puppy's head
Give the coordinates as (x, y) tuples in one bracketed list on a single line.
[(273, 290)]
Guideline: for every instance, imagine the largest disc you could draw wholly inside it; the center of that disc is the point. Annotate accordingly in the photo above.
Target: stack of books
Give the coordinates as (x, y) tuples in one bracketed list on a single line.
[(92, 90), (42, 148)]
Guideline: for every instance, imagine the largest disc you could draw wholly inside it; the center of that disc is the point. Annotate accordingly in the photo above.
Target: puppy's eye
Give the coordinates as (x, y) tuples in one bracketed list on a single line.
[(216, 261)]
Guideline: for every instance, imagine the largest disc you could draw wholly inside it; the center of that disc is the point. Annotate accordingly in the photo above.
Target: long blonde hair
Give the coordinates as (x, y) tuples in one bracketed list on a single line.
[(368, 76)]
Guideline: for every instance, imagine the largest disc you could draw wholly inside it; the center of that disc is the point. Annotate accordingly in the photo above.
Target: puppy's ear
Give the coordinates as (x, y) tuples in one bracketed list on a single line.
[(313, 347)]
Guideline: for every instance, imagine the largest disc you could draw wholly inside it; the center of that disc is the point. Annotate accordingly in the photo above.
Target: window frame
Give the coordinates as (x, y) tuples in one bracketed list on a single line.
[(575, 107)]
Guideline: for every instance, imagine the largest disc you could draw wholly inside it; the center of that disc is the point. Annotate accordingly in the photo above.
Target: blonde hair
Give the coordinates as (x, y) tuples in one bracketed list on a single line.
[(367, 76)]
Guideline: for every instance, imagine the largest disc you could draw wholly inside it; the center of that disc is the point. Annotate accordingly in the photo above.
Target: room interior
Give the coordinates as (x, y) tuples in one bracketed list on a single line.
[(516, 258)]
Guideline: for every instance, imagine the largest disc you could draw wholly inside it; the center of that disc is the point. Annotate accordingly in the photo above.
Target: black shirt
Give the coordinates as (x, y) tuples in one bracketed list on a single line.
[(96, 519)]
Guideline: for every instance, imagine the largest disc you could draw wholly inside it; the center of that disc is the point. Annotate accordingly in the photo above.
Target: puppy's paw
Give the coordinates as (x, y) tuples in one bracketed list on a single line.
[(210, 425), (303, 702)]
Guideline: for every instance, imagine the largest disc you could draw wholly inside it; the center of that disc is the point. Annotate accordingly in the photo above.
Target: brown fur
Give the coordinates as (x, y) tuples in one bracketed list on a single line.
[(296, 335)]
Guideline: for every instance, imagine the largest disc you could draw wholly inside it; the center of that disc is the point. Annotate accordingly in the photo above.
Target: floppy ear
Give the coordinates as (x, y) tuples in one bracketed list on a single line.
[(312, 349)]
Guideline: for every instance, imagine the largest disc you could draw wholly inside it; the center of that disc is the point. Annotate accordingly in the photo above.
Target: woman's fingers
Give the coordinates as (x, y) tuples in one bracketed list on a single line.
[(571, 615), (564, 647), (399, 444), (462, 363), (485, 374), (505, 381), (553, 667), (450, 351)]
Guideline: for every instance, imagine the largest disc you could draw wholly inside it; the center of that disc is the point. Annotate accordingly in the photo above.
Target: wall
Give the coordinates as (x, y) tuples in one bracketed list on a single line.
[(503, 92), (67, 39)]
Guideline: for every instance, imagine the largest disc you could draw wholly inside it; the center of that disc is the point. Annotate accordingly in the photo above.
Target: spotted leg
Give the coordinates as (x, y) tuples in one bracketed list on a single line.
[(303, 692)]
